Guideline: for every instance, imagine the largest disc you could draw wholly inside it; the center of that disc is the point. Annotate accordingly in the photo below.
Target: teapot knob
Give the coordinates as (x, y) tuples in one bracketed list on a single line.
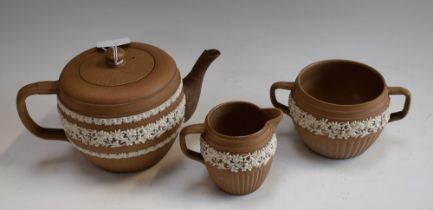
[(115, 56)]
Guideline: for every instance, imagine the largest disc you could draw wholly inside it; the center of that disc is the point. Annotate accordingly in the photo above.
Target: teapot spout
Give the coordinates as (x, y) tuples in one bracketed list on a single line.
[(274, 117), (193, 81)]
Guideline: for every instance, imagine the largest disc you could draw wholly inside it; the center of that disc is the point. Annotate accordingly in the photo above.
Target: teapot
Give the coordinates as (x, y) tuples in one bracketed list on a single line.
[(121, 106)]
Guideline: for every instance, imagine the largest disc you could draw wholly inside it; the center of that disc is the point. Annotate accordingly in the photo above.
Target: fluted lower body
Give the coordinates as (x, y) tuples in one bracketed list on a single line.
[(239, 183), (336, 148)]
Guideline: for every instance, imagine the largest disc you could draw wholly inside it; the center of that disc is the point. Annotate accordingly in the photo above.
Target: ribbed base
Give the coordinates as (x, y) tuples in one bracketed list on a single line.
[(131, 164), (336, 148), (239, 183)]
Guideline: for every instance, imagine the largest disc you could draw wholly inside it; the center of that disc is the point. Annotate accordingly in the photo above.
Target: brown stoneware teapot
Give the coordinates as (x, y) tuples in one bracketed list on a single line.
[(121, 107)]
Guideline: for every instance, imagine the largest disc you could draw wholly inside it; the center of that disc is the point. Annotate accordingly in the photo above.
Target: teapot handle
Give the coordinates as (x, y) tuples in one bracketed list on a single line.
[(196, 128), (43, 88)]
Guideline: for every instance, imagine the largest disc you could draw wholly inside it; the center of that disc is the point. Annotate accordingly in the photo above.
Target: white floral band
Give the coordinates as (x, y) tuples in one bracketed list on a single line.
[(238, 162), (334, 129), (126, 137), (124, 155), (122, 120)]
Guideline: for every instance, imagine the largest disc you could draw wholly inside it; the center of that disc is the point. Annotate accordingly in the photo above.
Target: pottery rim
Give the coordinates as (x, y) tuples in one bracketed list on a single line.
[(315, 64), (236, 139), (310, 102)]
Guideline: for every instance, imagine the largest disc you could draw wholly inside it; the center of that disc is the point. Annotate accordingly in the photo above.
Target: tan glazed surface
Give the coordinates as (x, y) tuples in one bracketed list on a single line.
[(237, 145), (121, 107), (339, 107)]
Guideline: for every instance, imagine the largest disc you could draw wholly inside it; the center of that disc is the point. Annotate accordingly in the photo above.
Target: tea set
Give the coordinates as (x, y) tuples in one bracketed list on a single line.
[(122, 105)]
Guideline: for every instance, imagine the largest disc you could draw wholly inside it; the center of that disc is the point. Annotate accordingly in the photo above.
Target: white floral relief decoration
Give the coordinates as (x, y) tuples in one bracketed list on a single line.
[(126, 137), (338, 130), (238, 162), (124, 155), (122, 120)]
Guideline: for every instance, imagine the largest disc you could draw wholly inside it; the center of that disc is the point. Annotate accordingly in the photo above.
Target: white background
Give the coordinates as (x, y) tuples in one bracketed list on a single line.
[(261, 42)]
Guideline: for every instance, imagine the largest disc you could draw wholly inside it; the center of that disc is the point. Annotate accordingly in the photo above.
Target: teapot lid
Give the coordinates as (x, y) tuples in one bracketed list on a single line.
[(119, 76)]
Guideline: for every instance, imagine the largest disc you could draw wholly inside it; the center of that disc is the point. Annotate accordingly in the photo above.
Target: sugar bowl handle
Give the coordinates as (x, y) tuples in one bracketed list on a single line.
[(400, 91), (43, 88), (198, 129), (280, 85)]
